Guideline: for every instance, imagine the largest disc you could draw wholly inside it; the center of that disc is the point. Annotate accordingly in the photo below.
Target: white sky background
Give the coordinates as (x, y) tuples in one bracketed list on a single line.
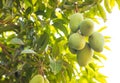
[(112, 65)]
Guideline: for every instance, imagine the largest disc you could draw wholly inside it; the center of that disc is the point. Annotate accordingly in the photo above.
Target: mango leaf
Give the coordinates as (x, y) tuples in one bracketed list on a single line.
[(102, 28), (28, 3), (96, 58), (28, 51), (101, 55), (55, 50), (102, 12), (100, 77), (34, 1), (16, 41), (1, 4), (92, 66), (43, 41), (107, 40), (106, 47), (107, 37), (28, 10), (55, 66), (59, 24), (107, 5), (118, 2), (112, 3), (69, 69)]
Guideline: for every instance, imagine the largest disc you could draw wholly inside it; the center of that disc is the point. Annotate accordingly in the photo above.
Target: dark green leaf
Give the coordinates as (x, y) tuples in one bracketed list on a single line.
[(1, 4), (59, 24), (17, 41), (55, 66), (28, 51), (28, 10), (43, 41)]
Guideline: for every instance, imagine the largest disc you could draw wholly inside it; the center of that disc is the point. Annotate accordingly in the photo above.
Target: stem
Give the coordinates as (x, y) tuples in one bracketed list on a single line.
[(4, 68), (76, 7), (4, 49)]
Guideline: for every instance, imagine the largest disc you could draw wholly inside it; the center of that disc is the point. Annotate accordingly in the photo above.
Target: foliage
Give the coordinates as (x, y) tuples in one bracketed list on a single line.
[(33, 39)]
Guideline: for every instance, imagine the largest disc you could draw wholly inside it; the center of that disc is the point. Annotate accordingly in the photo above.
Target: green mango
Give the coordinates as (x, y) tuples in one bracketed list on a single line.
[(73, 51), (37, 79), (84, 55), (96, 41), (75, 20), (86, 27), (46, 80), (76, 41)]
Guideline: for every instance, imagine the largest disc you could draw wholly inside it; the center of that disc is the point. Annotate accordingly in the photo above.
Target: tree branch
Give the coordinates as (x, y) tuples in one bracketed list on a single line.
[(4, 50), (84, 4), (9, 27)]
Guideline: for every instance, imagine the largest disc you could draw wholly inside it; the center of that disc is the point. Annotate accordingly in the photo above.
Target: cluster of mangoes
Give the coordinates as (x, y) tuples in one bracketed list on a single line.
[(83, 40), (39, 79)]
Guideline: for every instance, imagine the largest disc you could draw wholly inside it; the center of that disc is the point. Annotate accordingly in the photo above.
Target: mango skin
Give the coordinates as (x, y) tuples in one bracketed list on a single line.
[(73, 51), (37, 79), (96, 41), (84, 55), (86, 27), (76, 41), (46, 80), (75, 20)]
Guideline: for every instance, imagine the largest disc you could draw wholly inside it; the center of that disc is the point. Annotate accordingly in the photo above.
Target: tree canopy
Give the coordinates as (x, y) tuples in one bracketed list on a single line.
[(34, 40)]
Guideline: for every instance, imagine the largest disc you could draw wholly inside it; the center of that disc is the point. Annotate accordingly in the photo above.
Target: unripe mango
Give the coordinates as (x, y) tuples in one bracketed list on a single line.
[(46, 80), (73, 51), (76, 41), (96, 41), (84, 55), (86, 27), (75, 20), (37, 79)]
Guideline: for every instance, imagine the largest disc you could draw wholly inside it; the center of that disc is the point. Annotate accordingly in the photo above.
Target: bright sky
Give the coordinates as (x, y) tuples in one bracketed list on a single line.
[(112, 65)]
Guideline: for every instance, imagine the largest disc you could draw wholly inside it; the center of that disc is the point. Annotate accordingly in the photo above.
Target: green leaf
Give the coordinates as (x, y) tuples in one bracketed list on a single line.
[(1, 4), (55, 50), (92, 66), (34, 1), (28, 10), (101, 55), (107, 37), (106, 47), (97, 58), (118, 2), (28, 51), (55, 66), (107, 5), (16, 41), (59, 24), (112, 3), (102, 28), (100, 77), (28, 3), (43, 41), (102, 12)]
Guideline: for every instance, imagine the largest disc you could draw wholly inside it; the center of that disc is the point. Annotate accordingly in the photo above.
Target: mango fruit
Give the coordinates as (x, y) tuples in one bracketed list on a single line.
[(75, 20), (86, 27), (37, 79), (46, 80), (73, 51), (96, 41), (84, 55), (76, 41)]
